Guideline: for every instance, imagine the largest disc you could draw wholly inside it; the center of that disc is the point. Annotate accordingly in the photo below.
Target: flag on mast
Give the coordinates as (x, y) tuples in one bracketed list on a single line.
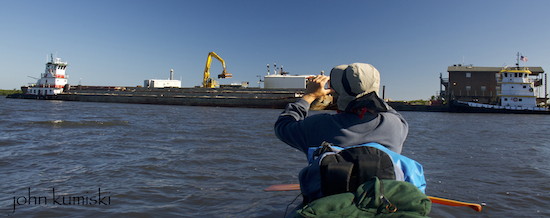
[(523, 58)]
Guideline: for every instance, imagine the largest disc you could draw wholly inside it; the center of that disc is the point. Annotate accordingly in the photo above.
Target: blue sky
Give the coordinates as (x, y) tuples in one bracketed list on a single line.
[(123, 42)]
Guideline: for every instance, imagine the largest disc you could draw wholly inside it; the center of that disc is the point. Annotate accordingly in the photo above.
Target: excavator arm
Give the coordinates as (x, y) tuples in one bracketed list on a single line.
[(207, 81)]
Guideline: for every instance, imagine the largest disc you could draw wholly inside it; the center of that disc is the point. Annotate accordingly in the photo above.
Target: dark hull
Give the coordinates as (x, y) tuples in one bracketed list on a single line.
[(216, 97), (401, 106), (41, 97), (458, 107)]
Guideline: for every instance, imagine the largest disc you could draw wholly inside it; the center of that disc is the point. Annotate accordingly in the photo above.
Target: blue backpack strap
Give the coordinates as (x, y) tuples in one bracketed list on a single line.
[(412, 170)]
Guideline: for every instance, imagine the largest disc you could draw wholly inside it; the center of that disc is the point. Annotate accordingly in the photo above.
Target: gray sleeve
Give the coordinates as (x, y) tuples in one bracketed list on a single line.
[(288, 129)]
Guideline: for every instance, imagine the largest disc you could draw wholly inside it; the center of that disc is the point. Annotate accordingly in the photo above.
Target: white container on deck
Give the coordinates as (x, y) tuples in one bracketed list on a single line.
[(285, 81), (159, 83)]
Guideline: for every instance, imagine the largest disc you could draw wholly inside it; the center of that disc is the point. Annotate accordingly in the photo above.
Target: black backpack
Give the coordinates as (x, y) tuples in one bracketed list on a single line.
[(335, 172)]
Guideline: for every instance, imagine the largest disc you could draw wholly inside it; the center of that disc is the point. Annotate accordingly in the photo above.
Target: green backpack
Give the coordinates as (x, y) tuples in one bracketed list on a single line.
[(374, 198)]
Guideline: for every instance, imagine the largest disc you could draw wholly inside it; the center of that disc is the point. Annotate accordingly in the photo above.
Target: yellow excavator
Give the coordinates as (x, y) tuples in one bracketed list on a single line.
[(208, 82)]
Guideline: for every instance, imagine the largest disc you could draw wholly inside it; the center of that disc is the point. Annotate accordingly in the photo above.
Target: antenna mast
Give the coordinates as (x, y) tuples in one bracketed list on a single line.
[(517, 59)]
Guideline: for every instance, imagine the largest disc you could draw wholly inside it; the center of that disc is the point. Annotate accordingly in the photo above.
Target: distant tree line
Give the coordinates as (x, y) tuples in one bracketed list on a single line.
[(8, 92)]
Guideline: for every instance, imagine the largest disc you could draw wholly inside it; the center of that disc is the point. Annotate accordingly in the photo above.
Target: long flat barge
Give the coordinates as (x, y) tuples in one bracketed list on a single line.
[(219, 97)]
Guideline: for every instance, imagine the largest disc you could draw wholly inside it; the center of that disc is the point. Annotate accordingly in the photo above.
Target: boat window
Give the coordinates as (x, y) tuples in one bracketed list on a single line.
[(524, 87), (468, 74), (521, 75), (468, 88), (520, 99), (515, 74), (483, 88), (505, 99), (525, 75), (505, 74)]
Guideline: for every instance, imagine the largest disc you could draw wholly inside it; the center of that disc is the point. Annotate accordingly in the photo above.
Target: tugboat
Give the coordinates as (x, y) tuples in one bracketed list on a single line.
[(51, 83), (516, 96)]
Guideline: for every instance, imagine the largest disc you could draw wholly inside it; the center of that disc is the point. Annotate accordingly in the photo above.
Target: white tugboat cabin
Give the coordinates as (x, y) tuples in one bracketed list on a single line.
[(516, 88), (52, 81)]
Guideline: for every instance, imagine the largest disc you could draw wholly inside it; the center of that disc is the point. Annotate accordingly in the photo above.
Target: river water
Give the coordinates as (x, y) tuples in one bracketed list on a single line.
[(82, 159)]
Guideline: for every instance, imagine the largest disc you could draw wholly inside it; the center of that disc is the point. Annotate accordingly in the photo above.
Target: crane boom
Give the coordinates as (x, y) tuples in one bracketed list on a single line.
[(209, 82)]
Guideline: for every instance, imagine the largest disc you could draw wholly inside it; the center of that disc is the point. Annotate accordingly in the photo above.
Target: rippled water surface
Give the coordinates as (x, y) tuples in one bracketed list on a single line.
[(160, 161)]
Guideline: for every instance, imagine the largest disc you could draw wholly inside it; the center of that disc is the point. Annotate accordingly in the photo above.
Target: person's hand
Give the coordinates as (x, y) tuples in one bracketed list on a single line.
[(315, 88)]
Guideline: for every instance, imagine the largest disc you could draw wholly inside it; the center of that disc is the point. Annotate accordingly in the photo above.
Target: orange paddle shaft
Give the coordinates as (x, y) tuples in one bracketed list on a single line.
[(437, 200)]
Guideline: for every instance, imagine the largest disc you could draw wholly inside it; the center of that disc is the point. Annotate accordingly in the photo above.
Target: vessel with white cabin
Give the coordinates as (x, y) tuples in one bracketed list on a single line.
[(50, 84), (516, 95)]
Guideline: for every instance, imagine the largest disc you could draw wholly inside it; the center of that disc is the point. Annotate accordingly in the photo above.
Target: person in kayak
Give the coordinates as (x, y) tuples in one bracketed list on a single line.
[(362, 116)]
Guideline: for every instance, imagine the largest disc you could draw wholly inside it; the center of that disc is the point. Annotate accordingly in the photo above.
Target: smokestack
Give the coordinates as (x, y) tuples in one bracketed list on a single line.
[(171, 74)]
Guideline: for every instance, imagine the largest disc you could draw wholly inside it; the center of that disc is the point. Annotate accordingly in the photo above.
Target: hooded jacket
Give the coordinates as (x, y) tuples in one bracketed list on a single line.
[(357, 86)]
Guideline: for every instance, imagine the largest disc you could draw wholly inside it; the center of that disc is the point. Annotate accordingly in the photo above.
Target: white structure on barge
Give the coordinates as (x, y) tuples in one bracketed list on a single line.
[(161, 83), (52, 81), (284, 81)]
